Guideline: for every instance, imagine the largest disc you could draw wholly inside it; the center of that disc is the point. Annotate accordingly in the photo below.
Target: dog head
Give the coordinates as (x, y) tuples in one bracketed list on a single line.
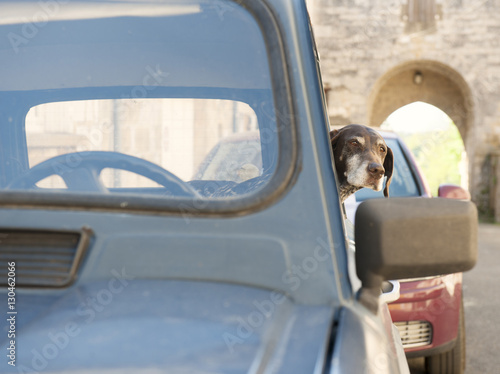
[(362, 159)]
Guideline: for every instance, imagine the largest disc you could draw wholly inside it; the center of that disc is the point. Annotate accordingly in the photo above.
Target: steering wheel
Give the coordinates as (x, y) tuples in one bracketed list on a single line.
[(81, 172)]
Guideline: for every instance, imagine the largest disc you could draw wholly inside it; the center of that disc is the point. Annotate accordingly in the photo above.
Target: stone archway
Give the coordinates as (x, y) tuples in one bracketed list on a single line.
[(431, 82), (428, 81)]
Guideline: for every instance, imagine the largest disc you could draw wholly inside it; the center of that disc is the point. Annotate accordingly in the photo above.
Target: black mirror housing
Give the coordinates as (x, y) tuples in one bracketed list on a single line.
[(400, 238)]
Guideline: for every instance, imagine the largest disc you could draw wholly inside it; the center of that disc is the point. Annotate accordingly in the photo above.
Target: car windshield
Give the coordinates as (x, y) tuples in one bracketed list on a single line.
[(403, 182), (170, 99)]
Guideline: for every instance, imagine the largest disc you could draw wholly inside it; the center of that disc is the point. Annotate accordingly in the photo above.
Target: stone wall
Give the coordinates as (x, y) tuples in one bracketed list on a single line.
[(377, 56)]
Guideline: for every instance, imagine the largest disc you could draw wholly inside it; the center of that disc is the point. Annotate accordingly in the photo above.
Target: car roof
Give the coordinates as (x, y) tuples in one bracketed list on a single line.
[(388, 134)]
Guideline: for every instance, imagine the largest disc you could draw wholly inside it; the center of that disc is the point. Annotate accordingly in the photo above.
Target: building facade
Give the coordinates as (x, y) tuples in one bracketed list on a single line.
[(377, 56)]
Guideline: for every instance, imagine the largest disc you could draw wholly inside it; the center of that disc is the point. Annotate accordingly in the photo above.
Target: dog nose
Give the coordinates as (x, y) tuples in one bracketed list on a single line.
[(376, 169)]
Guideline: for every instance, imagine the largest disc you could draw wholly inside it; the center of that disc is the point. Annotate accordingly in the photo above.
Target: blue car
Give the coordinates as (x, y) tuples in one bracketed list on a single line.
[(123, 252)]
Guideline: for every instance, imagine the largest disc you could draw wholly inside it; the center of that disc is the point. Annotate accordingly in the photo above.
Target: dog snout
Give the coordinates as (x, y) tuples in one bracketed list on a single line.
[(376, 170)]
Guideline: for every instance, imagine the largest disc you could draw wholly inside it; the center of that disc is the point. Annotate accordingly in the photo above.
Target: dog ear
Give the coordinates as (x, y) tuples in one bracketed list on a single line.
[(389, 168), (334, 136)]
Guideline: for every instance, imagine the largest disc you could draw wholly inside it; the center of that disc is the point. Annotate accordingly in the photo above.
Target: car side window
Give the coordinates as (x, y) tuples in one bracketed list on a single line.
[(180, 105), (198, 140)]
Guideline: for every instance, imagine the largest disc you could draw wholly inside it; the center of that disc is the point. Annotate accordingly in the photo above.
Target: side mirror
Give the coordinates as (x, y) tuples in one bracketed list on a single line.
[(451, 191), (401, 238)]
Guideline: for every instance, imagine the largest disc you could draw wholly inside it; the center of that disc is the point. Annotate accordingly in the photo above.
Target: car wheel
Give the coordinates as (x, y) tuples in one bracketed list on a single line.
[(453, 361)]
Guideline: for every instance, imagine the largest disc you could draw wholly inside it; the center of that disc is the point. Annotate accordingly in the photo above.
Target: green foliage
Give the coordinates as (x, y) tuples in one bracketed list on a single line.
[(438, 153)]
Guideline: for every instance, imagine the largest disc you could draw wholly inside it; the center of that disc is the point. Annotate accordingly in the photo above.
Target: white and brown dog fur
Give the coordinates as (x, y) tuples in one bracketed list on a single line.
[(362, 159)]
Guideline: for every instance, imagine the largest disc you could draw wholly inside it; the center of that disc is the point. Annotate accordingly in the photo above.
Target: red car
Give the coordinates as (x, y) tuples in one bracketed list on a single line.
[(429, 313)]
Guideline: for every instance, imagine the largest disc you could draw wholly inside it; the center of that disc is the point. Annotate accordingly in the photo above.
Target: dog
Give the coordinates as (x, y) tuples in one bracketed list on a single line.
[(362, 159)]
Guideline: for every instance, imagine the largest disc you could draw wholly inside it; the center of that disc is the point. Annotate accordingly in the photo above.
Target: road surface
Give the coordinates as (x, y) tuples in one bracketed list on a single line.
[(482, 307)]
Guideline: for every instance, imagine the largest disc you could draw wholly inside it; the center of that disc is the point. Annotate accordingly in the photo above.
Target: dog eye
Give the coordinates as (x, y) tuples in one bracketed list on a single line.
[(382, 150), (354, 143)]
